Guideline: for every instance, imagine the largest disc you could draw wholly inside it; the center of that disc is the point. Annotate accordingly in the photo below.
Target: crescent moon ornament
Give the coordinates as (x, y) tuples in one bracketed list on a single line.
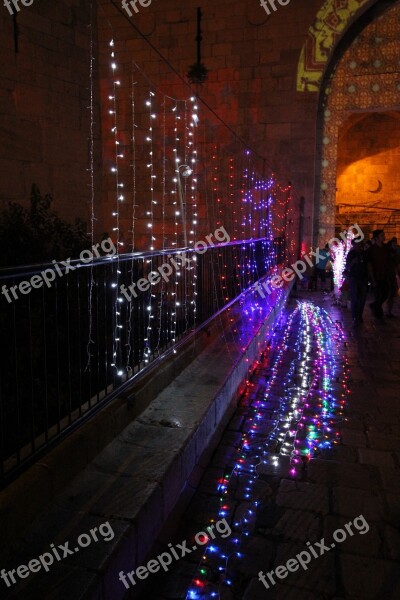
[(378, 189)]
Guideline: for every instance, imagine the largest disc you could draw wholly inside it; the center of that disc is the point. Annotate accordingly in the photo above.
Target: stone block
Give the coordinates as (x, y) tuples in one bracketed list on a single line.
[(376, 457), (17, 514), (390, 508), (63, 582), (257, 591), (298, 525), (11, 180), (348, 502), (358, 583), (173, 483), (303, 496), (366, 544), (319, 575), (390, 479), (391, 537), (256, 555), (339, 474), (351, 437), (339, 453)]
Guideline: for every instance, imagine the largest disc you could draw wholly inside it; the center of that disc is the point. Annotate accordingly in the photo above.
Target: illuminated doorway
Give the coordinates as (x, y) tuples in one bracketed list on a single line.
[(359, 156), (368, 173)]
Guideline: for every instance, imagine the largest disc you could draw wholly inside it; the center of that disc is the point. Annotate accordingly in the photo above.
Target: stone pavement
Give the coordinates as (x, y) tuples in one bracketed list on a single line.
[(134, 483), (358, 476)]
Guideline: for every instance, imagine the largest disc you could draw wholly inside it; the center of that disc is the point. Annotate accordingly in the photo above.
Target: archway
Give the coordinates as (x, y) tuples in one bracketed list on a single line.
[(368, 174), (360, 105)]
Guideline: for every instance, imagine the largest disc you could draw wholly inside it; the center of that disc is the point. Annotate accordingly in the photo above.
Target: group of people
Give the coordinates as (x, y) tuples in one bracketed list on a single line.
[(377, 263), (373, 264)]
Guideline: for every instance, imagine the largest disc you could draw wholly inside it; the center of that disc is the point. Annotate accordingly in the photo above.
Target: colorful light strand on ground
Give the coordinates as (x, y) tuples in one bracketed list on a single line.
[(297, 415)]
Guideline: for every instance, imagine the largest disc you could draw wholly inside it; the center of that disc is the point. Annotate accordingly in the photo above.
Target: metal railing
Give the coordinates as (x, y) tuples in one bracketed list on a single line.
[(69, 348)]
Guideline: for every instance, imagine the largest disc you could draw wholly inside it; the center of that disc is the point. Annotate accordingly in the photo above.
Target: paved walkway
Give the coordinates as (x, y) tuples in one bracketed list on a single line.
[(334, 507)]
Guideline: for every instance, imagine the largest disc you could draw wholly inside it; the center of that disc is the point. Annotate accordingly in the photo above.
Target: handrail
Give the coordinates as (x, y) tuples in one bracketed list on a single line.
[(35, 268)]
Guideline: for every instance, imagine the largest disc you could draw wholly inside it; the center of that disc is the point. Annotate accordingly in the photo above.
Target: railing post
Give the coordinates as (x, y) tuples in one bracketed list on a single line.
[(200, 286)]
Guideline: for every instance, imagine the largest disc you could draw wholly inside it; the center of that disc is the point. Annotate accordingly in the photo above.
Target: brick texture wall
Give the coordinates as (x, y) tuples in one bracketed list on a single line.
[(252, 61), (44, 93), (44, 99), (368, 173)]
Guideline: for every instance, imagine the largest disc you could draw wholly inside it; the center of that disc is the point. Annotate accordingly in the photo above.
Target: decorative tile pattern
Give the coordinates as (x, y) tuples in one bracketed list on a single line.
[(367, 78), (331, 21)]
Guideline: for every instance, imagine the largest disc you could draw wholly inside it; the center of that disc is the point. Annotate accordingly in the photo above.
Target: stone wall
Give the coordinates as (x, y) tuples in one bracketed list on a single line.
[(44, 100), (260, 69), (252, 60), (362, 98)]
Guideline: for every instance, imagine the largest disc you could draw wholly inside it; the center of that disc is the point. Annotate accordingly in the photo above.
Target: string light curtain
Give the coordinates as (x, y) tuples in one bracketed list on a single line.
[(174, 175)]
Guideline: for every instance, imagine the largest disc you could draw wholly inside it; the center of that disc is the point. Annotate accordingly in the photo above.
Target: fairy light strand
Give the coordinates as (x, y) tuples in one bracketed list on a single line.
[(306, 422), (119, 197)]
